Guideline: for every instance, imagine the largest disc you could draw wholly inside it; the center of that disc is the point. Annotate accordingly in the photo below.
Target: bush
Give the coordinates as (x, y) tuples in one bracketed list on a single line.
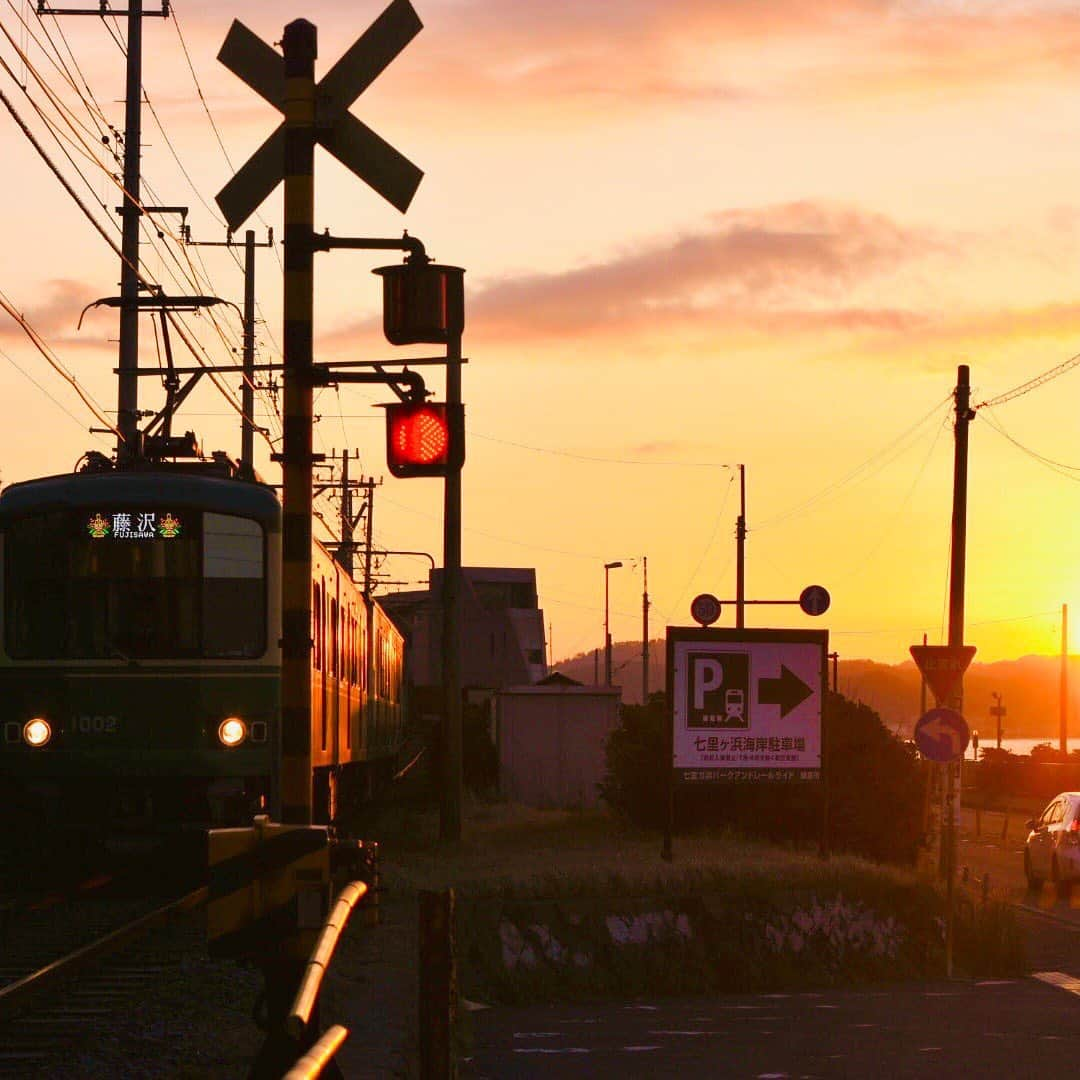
[(875, 786)]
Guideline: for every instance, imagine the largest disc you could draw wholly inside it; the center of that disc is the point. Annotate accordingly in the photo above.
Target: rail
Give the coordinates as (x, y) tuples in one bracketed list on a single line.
[(18, 994)]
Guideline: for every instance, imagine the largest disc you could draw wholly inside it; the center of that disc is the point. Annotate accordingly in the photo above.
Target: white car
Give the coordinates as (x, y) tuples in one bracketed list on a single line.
[(1052, 849)]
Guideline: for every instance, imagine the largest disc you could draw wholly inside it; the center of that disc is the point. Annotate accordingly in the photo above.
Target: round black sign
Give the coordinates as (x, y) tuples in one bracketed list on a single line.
[(705, 609), (814, 600)]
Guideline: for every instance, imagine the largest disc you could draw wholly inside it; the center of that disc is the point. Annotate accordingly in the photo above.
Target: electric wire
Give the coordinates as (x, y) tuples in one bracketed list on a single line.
[(69, 119), (43, 347), (59, 176), (681, 594), (602, 460), (213, 123), (889, 532), (1031, 384), (1059, 467), (55, 400), (880, 459)]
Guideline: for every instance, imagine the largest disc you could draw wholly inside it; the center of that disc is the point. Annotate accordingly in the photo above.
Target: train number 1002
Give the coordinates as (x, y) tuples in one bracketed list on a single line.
[(95, 725)]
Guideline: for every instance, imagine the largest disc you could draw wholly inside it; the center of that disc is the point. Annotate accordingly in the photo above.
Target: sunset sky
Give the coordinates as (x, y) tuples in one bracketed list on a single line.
[(696, 234)]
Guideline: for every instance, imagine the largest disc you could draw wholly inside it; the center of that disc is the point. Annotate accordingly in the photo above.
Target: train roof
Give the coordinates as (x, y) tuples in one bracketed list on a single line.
[(154, 487)]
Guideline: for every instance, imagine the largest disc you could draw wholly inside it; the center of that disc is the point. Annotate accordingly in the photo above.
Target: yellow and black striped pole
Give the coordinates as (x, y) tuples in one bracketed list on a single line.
[(299, 46)]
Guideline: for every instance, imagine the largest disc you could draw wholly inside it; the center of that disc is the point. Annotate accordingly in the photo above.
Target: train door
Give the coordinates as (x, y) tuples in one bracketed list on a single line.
[(331, 703)]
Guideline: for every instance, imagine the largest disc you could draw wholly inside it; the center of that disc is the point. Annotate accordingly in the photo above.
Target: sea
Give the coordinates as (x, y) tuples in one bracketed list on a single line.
[(1023, 746)]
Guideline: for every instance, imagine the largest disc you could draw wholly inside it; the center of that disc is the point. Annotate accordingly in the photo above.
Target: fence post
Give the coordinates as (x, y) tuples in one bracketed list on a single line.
[(437, 986)]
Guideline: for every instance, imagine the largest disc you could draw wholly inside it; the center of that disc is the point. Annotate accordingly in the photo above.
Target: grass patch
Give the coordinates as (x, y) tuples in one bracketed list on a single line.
[(556, 905)]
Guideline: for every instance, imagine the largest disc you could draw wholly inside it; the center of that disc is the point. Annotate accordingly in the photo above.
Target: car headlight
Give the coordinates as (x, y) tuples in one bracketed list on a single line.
[(36, 732), (232, 731)]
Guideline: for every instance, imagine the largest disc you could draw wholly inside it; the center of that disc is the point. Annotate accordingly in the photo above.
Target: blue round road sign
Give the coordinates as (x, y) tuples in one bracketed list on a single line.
[(942, 735), (815, 599)]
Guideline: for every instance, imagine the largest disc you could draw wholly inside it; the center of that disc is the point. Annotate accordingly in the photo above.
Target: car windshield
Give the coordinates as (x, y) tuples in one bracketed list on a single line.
[(127, 584)]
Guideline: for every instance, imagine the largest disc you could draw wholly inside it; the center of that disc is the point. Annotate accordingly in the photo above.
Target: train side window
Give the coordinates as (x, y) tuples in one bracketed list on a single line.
[(316, 612), (333, 637)]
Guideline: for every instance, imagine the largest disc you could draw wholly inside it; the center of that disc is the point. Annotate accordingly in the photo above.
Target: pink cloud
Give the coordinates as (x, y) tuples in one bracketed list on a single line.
[(757, 261)]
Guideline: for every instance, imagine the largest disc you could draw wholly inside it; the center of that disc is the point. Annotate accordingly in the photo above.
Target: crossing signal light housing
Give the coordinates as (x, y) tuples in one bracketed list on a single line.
[(420, 439)]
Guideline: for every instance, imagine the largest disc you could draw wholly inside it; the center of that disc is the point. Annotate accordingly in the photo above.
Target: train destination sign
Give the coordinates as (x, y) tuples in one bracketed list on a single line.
[(746, 704), (134, 525)]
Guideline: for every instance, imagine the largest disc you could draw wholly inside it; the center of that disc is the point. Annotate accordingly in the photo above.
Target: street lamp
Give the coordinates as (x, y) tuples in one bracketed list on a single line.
[(608, 567)]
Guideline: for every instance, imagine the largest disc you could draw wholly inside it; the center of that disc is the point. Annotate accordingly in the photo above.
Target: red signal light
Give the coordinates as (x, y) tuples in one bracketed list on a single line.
[(418, 439)]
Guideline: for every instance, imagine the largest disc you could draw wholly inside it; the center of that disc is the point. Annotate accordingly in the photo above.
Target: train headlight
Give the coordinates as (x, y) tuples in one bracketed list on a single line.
[(36, 732), (232, 731)]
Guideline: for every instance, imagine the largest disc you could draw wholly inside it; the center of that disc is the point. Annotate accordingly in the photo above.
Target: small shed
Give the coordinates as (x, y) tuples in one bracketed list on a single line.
[(551, 739)]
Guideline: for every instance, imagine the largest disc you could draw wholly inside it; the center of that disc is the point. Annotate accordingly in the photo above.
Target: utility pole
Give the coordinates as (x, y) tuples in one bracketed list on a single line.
[(127, 407), (1063, 735), (645, 632), (740, 554), (247, 390), (964, 415), (345, 486)]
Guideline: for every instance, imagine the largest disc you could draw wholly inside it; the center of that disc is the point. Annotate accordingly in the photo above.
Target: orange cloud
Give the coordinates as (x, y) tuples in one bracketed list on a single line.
[(55, 316), (518, 62), (749, 260), (786, 269)]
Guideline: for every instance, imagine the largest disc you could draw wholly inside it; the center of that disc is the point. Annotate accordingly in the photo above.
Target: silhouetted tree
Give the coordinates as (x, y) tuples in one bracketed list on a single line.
[(875, 786)]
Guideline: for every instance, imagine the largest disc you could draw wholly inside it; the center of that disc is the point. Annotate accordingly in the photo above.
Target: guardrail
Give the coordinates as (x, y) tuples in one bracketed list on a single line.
[(320, 1053)]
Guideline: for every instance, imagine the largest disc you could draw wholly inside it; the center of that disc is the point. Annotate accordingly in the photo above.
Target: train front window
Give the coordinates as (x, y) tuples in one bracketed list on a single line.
[(114, 584)]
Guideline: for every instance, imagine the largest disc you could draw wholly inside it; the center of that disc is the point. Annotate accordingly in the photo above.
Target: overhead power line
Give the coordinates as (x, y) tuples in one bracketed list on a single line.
[(1031, 384)]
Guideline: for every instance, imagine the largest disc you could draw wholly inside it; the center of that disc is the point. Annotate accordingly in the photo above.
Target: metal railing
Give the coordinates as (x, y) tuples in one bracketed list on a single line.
[(305, 1004)]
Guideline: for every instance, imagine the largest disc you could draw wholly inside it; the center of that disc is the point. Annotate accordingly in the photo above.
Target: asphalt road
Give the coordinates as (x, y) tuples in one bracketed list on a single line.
[(1012, 1028)]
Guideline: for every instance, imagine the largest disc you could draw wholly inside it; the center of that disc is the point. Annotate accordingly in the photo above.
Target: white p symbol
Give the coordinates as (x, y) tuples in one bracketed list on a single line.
[(708, 675)]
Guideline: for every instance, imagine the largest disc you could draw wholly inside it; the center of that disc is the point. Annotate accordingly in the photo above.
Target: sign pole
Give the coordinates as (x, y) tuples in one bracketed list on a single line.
[(669, 815), (452, 741), (299, 47)]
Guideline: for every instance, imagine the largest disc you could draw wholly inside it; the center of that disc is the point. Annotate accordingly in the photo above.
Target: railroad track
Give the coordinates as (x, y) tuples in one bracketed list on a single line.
[(67, 968)]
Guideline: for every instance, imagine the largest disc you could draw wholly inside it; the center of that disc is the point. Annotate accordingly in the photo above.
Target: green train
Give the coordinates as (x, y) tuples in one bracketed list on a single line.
[(140, 661)]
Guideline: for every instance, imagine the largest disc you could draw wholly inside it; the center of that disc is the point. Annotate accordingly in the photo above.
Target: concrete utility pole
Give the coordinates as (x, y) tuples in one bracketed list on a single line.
[(645, 631), (127, 406), (247, 391), (964, 415), (345, 486), (740, 554)]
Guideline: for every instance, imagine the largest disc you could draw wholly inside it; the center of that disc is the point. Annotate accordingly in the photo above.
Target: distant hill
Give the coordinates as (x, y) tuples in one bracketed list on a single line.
[(1029, 688)]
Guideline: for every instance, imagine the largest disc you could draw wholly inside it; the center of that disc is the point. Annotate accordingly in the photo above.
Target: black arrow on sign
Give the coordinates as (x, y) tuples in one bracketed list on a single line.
[(787, 691)]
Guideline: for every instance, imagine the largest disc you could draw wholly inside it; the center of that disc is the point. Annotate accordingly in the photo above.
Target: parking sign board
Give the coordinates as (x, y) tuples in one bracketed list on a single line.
[(746, 704)]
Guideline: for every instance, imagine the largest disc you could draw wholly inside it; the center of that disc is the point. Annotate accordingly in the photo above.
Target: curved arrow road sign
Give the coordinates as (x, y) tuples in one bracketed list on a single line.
[(942, 735)]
